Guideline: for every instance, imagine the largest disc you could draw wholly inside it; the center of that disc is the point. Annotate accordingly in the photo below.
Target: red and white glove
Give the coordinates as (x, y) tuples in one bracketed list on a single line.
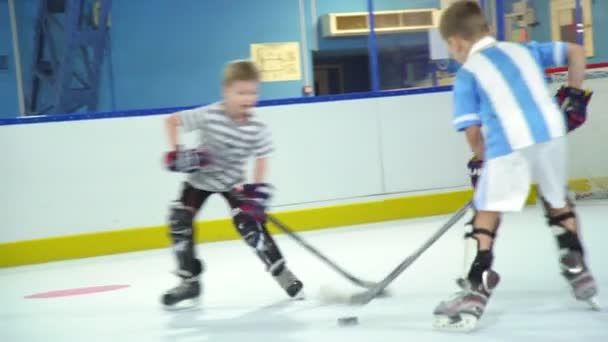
[(254, 199), (573, 103), (188, 161)]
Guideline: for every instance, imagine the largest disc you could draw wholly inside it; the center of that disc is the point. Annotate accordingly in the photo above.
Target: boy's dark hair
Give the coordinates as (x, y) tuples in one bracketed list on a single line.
[(464, 19), (240, 70)]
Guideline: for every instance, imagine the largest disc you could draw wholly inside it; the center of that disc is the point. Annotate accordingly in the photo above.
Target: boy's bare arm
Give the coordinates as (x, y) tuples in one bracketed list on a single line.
[(577, 60), (172, 123), (259, 172), (475, 140)]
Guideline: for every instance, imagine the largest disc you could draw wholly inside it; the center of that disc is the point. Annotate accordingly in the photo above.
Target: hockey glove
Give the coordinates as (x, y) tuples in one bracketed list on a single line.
[(254, 198), (188, 161), (573, 103), (475, 165)]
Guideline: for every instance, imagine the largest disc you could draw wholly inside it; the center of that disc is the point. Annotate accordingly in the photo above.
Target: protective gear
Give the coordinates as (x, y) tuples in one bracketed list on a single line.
[(463, 309), (566, 239), (181, 223), (253, 200), (573, 103), (483, 261), (471, 244), (257, 237), (188, 161), (475, 165)]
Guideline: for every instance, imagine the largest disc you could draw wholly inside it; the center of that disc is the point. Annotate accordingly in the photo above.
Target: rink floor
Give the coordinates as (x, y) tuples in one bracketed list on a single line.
[(242, 303)]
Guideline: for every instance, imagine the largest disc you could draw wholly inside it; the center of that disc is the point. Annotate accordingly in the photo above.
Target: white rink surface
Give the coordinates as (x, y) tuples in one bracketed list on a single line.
[(242, 303)]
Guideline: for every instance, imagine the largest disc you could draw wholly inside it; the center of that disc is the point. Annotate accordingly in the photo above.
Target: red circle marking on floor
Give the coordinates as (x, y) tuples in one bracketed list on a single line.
[(76, 292)]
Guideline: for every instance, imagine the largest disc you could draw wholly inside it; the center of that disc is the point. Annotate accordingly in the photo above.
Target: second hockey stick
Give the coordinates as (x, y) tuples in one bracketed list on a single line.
[(367, 296)]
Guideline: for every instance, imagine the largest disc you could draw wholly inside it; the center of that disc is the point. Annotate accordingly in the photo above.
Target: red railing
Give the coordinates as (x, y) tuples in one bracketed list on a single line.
[(565, 68)]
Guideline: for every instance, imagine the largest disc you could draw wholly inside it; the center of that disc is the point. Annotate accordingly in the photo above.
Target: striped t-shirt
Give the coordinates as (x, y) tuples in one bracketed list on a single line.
[(502, 87), (229, 143)]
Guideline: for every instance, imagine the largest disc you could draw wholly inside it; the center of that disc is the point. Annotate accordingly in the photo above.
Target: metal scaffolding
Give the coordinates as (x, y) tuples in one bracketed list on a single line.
[(69, 49)]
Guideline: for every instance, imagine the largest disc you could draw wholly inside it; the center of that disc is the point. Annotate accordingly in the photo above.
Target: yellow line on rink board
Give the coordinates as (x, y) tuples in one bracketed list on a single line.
[(145, 238)]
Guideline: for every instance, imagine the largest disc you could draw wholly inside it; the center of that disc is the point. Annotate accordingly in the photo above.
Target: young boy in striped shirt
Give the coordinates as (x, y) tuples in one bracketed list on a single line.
[(229, 135), (501, 87)]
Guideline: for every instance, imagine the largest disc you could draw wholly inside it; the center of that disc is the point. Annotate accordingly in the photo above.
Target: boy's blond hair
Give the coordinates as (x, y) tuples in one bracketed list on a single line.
[(240, 70), (464, 19)]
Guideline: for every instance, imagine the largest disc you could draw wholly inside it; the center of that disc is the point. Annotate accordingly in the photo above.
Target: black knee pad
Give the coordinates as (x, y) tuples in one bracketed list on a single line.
[(181, 223), (253, 232), (483, 261), (258, 238), (547, 206), (478, 230), (483, 258), (558, 220), (182, 236), (565, 238), (570, 241), (475, 231)]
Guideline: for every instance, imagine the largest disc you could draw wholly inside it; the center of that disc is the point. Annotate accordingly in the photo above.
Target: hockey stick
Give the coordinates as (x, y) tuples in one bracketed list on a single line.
[(367, 296), (366, 284), (326, 260), (236, 195)]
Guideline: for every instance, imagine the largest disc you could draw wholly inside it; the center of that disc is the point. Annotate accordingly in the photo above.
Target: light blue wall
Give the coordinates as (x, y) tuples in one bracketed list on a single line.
[(164, 55), (167, 55)]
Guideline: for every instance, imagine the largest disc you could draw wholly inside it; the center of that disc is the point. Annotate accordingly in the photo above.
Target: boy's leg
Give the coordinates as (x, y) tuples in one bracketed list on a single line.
[(465, 308), (181, 225), (503, 186), (256, 235), (485, 225), (550, 170), (549, 162)]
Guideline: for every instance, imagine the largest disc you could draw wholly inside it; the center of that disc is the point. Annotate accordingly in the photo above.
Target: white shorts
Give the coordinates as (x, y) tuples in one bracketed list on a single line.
[(505, 181)]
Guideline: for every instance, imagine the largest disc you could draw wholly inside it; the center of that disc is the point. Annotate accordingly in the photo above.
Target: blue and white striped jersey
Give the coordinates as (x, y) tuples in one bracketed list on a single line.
[(502, 87)]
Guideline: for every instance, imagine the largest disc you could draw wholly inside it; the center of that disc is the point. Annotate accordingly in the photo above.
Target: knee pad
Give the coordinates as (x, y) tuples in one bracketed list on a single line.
[(252, 231), (181, 231), (569, 241), (483, 261), (557, 220), (255, 235), (479, 230), (475, 260), (566, 239), (181, 223)]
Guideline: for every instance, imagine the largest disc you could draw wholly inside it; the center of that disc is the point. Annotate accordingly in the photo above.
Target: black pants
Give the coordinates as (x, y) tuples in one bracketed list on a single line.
[(254, 233), (194, 198)]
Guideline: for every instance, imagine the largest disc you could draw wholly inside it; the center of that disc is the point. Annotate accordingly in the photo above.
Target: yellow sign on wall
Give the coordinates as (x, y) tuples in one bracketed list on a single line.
[(277, 61)]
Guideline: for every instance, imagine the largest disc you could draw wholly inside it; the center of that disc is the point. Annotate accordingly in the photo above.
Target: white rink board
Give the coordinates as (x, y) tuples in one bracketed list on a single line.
[(77, 177)]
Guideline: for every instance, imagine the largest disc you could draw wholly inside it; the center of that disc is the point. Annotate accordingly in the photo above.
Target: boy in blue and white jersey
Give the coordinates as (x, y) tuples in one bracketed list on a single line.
[(510, 120)]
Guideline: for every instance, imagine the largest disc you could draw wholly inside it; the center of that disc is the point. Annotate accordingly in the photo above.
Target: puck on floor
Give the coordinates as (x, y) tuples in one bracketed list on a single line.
[(346, 321)]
